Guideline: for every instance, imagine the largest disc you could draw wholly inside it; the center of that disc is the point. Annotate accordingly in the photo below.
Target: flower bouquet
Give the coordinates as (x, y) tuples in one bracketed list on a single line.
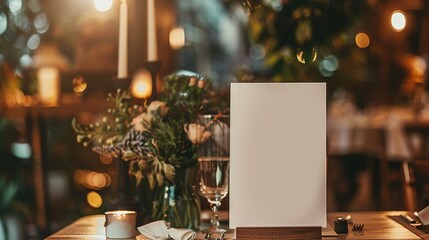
[(157, 141)]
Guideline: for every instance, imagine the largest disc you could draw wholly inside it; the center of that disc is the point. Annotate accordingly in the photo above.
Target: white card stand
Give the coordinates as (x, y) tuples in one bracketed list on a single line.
[(278, 155)]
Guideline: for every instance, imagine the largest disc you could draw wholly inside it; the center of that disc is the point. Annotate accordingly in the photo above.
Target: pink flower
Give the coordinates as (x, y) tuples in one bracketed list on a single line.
[(202, 83), (192, 81), (138, 122), (196, 133), (155, 105)]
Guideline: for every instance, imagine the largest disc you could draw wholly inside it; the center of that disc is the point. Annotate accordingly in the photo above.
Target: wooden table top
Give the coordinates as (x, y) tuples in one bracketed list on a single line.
[(378, 225)]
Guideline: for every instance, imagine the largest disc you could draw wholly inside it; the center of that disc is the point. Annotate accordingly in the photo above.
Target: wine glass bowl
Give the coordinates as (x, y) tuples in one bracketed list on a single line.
[(214, 178), (213, 162)]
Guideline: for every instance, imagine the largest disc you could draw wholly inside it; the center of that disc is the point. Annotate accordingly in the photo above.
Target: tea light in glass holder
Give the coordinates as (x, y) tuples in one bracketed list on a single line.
[(120, 224)]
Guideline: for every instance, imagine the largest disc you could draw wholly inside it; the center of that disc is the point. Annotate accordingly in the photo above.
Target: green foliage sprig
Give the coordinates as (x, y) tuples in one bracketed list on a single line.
[(112, 128), (170, 147), (151, 137), (292, 30)]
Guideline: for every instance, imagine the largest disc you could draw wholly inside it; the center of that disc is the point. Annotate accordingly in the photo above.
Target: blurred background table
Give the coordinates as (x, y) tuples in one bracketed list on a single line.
[(369, 146)]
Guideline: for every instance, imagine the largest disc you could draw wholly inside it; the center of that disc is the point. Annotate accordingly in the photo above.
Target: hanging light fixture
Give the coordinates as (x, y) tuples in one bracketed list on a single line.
[(48, 84)]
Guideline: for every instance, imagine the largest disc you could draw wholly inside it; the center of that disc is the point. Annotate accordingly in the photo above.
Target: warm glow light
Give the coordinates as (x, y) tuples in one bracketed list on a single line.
[(105, 159), (177, 38), (94, 199), (48, 85), (103, 5), (89, 179), (120, 213), (418, 67), (141, 87), (301, 58), (92, 180), (99, 180), (79, 84), (108, 179), (398, 20), (362, 40)]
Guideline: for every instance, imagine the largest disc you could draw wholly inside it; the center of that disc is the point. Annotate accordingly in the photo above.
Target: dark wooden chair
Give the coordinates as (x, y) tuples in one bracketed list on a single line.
[(416, 169), (368, 151)]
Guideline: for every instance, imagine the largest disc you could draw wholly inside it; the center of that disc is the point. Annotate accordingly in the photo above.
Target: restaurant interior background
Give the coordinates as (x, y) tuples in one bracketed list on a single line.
[(375, 71)]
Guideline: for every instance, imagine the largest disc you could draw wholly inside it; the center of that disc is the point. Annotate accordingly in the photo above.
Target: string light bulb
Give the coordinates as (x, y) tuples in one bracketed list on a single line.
[(398, 20)]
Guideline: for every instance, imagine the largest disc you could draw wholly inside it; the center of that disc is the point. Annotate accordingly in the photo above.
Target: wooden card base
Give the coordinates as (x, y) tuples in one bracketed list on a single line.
[(278, 233)]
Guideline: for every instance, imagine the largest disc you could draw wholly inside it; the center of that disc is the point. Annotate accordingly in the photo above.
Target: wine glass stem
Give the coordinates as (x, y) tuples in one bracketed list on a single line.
[(215, 215)]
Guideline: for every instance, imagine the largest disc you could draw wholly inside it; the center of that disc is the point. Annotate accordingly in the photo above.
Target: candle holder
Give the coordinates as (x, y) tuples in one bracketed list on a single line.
[(122, 83), (153, 67), (120, 224)]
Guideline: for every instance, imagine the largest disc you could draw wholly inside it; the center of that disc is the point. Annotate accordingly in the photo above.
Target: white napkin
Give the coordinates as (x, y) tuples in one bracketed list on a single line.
[(160, 230), (424, 215)]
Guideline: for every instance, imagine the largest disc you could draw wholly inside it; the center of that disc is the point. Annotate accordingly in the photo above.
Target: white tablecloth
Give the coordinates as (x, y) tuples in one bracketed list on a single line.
[(350, 130)]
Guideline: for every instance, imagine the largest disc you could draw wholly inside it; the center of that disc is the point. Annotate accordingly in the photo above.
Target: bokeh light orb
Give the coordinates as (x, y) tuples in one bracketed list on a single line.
[(306, 57), (25, 61), (41, 23), (398, 20), (99, 180), (15, 6), (3, 23), (362, 40), (33, 42), (177, 38), (105, 160), (79, 84), (328, 66), (94, 199), (103, 5), (257, 52)]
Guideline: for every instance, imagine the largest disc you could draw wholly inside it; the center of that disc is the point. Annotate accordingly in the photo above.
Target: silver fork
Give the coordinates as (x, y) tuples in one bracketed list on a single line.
[(358, 227), (222, 236), (207, 237)]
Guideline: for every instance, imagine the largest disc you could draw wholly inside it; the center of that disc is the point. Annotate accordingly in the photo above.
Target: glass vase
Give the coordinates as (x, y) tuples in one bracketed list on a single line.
[(178, 202)]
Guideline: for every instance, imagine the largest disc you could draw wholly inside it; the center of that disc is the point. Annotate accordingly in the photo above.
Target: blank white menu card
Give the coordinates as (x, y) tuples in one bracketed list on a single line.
[(278, 155)]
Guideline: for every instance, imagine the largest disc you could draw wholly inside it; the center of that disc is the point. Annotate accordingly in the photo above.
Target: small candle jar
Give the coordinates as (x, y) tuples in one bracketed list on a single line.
[(120, 224)]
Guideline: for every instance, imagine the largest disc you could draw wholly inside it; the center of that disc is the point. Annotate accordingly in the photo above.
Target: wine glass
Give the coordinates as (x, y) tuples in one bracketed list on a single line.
[(213, 162)]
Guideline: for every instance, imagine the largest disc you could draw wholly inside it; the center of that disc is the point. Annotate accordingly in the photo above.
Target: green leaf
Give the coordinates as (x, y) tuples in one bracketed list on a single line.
[(129, 155)]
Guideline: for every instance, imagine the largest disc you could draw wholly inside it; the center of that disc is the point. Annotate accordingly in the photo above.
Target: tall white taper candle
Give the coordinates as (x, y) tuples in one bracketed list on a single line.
[(152, 47), (123, 40)]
